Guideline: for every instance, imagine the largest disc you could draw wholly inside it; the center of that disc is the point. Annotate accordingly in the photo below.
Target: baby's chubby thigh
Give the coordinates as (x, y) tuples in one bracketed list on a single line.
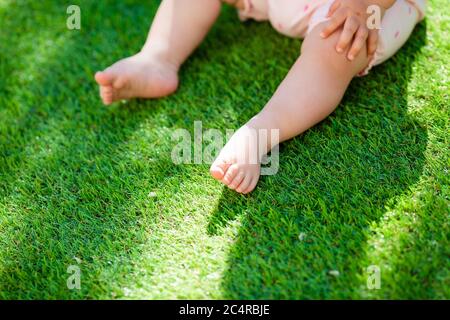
[(291, 18), (324, 51)]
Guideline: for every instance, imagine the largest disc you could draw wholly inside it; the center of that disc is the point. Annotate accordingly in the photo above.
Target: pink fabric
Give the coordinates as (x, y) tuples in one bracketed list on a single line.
[(295, 18)]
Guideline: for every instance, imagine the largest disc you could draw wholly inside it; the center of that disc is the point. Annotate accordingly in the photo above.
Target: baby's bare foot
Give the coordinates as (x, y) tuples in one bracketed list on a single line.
[(139, 76), (238, 164)]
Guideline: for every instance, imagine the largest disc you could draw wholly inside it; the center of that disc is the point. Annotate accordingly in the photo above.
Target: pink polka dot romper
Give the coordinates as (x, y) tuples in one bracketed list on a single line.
[(295, 18)]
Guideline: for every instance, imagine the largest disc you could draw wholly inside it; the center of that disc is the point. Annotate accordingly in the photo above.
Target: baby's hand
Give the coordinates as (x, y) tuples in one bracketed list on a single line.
[(352, 14)]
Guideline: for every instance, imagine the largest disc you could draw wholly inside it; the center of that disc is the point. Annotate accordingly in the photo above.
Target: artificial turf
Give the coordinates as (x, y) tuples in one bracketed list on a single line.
[(95, 187)]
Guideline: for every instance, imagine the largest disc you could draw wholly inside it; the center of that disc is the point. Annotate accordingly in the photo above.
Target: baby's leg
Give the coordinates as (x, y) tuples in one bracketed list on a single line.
[(178, 28), (310, 92)]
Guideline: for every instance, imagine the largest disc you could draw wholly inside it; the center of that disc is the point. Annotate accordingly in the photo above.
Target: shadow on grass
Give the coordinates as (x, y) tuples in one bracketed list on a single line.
[(334, 183), (73, 191), (76, 175), (61, 175)]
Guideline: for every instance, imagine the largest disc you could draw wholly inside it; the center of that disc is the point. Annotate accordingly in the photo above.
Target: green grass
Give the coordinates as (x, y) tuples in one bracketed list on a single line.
[(368, 186)]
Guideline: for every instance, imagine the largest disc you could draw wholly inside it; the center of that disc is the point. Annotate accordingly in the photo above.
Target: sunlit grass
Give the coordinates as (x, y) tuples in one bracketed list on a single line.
[(96, 187)]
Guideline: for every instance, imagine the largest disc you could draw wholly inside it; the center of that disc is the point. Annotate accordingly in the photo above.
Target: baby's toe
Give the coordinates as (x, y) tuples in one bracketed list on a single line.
[(120, 82), (107, 94), (104, 78), (245, 184), (251, 186), (237, 180), (230, 174), (218, 169)]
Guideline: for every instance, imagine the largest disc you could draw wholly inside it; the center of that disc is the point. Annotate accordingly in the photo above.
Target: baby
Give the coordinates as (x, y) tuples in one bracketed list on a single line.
[(339, 44)]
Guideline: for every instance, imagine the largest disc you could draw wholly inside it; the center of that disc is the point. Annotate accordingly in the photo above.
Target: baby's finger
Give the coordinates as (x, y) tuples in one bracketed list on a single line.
[(350, 27), (358, 43), (335, 22), (372, 42), (336, 4)]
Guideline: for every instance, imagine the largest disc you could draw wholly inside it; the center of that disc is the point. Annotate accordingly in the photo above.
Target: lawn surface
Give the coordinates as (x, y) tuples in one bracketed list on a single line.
[(95, 187)]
